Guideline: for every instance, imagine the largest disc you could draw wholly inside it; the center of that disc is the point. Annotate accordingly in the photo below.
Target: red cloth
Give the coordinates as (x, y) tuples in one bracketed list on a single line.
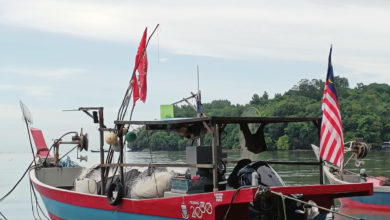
[(141, 64), (143, 69), (134, 83)]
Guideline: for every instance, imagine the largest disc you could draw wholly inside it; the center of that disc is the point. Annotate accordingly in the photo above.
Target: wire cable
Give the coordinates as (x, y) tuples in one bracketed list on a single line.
[(37, 203), (261, 189), (31, 202), (232, 201), (17, 183), (5, 218)]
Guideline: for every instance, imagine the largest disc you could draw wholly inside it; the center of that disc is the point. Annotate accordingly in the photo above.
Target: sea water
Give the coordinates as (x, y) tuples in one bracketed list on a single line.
[(18, 206)]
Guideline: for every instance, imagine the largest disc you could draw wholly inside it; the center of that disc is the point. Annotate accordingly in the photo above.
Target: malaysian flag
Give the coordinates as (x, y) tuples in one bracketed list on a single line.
[(331, 140)]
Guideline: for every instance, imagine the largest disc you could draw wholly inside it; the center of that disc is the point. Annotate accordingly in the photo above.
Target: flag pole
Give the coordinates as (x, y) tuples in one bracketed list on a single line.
[(121, 112), (139, 61), (321, 162)]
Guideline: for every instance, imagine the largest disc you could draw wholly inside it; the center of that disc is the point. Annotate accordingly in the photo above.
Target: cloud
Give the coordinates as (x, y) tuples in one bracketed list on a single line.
[(299, 30), (54, 73), (162, 60), (38, 91), (10, 112)]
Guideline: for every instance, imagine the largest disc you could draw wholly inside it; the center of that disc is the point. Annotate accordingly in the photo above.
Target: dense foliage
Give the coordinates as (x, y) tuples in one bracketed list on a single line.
[(365, 112)]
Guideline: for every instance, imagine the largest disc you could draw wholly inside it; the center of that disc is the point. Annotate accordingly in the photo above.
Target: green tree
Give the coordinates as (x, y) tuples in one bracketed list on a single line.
[(282, 143), (365, 111), (255, 99)]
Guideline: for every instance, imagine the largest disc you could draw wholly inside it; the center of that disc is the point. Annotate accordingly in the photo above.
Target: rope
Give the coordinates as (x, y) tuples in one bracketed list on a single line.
[(32, 192), (265, 190), (3, 216), (37, 203), (231, 201), (116, 169), (29, 138), (261, 189), (283, 203), (68, 153), (151, 158), (17, 183), (31, 202)]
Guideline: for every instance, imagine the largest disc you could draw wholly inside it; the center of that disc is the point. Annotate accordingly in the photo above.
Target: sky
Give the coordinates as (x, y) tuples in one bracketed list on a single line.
[(57, 55)]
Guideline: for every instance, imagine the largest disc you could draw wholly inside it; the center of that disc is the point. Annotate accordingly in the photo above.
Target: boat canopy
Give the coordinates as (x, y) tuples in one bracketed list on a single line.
[(196, 127), (217, 120)]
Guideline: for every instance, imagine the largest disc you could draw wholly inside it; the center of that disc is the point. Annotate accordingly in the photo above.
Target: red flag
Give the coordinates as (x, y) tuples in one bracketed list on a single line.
[(331, 140), (134, 82), (143, 69), (141, 64)]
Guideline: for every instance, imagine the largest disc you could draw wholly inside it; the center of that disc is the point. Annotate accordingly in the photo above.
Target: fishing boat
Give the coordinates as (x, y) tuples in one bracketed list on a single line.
[(69, 192), (380, 200), (196, 189)]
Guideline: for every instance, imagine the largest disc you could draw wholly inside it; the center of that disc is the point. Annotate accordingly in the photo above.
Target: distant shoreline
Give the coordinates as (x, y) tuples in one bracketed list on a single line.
[(238, 150), (224, 150)]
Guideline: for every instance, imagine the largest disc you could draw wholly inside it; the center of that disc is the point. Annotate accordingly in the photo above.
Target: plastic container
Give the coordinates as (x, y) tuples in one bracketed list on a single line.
[(183, 185)]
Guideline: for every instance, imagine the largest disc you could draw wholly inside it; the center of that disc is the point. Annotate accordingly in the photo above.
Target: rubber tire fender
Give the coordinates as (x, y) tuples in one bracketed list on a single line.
[(115, 186)]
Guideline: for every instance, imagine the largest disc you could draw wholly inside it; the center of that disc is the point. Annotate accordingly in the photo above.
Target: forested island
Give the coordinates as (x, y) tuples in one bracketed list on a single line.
[(365, 112)]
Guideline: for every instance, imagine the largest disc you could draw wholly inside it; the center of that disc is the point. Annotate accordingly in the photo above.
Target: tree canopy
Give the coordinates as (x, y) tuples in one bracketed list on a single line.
[(365, 112)]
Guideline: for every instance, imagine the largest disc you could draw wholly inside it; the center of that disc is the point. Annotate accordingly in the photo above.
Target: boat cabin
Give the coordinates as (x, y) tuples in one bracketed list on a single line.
[(208, 161)]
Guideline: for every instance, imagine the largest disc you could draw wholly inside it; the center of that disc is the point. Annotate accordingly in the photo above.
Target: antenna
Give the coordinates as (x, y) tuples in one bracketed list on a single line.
[(198, 96), (198, 104), (197, 69)]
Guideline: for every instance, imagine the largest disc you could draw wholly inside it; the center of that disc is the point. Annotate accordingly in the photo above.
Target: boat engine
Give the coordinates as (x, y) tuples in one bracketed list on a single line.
[(265, 205), (259, 173)]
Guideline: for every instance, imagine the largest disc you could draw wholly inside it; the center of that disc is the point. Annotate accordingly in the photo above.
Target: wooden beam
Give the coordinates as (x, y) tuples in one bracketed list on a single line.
[(157, 165), (308, 163)]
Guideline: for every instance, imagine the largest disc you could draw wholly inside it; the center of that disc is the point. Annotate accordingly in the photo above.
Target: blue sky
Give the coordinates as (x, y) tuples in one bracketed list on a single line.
[(57, 55)]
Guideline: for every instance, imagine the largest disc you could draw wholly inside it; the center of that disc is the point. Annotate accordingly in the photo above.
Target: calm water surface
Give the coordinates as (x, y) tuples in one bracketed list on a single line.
[(17, 205)]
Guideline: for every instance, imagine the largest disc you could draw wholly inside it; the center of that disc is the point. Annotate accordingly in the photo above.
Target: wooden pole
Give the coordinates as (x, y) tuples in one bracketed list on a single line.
[(321, 171), (319, 142), (214, 148), (101, 132), (121, 155), (29, 138)]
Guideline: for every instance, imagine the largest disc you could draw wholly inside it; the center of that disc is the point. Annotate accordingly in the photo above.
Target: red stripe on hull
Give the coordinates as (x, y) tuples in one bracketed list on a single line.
[(53, 217), (167, 207), (171, 207), (359, 205)]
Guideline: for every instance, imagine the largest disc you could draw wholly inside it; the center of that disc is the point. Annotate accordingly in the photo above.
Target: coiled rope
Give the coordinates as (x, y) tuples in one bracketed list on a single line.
[(262, 190)]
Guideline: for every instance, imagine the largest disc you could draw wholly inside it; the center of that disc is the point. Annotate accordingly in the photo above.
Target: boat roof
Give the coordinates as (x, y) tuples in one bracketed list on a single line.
[(168, 123)]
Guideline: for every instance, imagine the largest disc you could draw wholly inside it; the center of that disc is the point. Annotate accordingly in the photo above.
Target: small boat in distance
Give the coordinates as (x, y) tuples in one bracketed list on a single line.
[(98, 150), (386, 146), (380, 200)]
